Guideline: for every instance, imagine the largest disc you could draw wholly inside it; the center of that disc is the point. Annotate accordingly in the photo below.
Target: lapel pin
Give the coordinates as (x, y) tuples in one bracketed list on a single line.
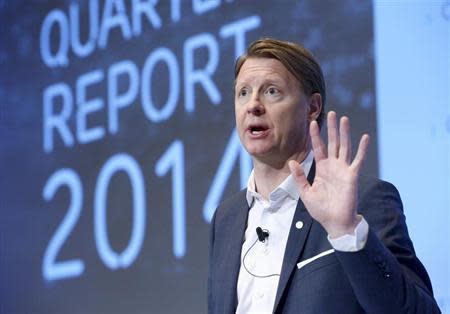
[(299, 224)]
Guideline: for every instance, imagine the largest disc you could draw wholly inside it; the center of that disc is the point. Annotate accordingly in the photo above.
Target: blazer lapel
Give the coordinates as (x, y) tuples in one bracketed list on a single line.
[(231, 263), (296, 242)]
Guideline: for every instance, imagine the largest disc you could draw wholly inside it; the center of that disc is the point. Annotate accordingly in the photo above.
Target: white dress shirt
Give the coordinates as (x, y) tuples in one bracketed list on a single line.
[(256, 293)]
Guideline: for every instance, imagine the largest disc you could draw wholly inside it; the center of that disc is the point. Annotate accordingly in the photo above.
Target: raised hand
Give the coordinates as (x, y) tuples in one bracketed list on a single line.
[(332, 198)]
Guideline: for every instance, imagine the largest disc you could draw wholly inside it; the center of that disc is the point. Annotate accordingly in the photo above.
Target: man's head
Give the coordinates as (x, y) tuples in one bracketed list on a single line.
[(296, 59), (279, 89)]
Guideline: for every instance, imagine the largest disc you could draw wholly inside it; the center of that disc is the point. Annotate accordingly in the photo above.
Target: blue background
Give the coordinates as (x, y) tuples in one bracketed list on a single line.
[(111, 214)]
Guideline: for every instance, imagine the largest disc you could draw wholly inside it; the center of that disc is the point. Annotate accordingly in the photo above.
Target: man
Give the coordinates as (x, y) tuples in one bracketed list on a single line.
[(306, 236)]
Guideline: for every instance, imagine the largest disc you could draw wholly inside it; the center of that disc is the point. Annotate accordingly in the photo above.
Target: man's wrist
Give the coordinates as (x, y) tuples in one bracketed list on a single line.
[(335, 232), (354, 241)]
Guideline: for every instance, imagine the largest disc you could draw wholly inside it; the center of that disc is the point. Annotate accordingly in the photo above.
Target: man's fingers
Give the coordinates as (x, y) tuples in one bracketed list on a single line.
[(316, 141), (333, 137), (345, 149), (361, 154), (299, 175)]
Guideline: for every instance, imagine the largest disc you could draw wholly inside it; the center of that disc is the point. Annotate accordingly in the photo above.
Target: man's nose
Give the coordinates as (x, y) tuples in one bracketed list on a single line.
[(255, 106)]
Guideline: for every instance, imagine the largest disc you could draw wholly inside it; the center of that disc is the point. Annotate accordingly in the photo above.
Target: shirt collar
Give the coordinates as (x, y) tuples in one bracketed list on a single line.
[(288, 185)]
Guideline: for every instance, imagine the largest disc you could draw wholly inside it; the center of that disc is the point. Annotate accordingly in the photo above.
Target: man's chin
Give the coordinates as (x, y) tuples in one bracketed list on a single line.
[(259, 152)]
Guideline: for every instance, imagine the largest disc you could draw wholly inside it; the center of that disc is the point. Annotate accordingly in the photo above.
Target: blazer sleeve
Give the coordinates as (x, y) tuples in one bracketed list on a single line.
[(386, 275)]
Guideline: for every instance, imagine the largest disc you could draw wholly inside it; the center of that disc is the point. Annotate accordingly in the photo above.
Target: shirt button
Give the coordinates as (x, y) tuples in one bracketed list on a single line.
[(260, 294), (266, 251)]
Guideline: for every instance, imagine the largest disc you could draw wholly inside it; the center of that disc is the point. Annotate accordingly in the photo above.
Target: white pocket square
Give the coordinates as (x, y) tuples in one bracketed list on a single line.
[(312, 259)]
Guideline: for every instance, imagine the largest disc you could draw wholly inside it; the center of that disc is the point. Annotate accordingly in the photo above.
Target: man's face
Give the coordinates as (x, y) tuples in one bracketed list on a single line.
[(271, 111)]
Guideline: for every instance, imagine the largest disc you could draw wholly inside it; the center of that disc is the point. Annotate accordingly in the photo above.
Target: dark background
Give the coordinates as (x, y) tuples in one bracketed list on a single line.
[(339, 33)]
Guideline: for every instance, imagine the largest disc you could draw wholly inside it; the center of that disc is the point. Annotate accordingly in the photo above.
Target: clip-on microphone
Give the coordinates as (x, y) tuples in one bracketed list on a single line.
[(262, 234)]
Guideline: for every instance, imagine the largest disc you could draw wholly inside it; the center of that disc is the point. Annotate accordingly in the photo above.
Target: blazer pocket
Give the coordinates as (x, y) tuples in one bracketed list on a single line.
[(316, 259)]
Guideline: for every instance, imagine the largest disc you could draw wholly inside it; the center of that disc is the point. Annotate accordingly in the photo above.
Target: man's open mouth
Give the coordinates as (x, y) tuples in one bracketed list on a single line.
[(257, 129)]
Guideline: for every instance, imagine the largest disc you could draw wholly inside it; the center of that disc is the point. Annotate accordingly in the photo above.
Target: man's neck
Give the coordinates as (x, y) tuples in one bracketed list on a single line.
[(268, 176)]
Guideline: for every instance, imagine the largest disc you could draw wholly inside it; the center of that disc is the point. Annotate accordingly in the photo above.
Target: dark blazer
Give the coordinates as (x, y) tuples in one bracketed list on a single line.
[(384, 277)]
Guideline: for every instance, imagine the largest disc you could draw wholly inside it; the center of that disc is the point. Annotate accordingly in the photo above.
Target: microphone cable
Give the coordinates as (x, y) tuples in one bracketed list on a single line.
[(264, 232)]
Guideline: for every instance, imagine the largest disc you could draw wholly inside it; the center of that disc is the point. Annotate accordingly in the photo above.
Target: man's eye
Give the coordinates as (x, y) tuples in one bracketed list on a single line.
[(243, 93), (272, 91)]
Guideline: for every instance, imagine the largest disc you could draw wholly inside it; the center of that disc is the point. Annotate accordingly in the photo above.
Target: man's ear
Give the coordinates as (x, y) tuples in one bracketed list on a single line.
[(315, 106)]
